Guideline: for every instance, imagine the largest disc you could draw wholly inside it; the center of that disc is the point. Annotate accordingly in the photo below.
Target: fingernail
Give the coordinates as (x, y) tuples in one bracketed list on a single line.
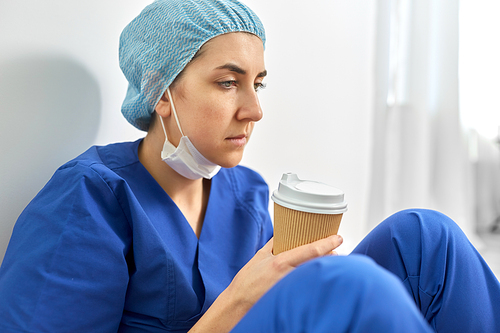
[(339, 238)]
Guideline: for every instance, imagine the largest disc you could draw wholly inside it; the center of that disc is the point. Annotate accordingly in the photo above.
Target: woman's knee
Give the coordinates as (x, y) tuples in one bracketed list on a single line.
[(418, 222)]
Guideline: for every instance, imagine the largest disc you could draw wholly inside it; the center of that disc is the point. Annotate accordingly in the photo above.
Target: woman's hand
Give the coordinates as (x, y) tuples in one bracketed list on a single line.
[(265, 269), (259, 275)]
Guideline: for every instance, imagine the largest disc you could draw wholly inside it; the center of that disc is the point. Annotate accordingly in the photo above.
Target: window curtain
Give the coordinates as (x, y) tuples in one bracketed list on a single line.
[(486, 158), (420, 152)]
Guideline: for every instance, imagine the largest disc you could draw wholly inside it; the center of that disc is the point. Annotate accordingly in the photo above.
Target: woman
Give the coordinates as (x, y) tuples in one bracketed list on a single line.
[(155, 236)]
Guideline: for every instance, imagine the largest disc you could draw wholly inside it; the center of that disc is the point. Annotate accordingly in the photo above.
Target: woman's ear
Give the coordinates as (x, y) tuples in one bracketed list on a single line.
[(163, 107)]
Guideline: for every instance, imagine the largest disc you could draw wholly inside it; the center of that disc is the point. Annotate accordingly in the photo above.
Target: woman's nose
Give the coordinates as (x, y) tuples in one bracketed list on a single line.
[(250, 106)]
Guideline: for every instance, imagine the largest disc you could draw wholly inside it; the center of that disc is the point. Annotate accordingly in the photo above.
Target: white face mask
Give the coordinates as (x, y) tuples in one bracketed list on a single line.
[(186, 159)]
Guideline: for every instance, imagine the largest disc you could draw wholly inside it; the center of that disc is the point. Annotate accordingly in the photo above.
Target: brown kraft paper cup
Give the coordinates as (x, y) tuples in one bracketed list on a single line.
[(305, 211), (293, 228)]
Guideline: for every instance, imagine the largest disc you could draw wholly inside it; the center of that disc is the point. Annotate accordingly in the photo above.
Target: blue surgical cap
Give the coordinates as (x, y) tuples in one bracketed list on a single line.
[(157, 45)]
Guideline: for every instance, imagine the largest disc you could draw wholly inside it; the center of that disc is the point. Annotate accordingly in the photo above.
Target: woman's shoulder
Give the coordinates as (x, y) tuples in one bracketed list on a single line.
[(112, 156), (94, 171)]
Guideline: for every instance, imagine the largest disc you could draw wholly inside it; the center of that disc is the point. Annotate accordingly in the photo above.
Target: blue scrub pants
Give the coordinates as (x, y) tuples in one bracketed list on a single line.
[(415, 272)]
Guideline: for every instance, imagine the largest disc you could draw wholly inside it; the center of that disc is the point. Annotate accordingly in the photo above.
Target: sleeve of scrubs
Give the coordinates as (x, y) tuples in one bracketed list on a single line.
[(65, 269)]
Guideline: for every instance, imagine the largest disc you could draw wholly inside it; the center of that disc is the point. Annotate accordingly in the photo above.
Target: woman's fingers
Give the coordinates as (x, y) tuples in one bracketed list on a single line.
[(301, 254)]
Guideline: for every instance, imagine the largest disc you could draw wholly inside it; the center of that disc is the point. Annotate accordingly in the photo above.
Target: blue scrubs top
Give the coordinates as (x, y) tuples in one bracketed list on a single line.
[(103, 248)]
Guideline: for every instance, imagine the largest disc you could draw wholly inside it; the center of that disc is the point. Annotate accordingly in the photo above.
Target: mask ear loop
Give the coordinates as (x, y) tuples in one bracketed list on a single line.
[(163, 126), (175, 115), (173, 109)]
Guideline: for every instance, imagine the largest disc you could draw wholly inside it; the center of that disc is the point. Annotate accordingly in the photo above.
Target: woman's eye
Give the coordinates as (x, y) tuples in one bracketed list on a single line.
[(259, 86), (233, 83), (228, 84)]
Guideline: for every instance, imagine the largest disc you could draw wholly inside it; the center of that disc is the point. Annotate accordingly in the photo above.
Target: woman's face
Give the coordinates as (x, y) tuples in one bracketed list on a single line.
[(216, 97)]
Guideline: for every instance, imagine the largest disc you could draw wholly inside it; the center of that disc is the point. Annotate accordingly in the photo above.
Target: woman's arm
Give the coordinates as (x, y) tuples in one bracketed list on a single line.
[(259, 275), (65, 268)]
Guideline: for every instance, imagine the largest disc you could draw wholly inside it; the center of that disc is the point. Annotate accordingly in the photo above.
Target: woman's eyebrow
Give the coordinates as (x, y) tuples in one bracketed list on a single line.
[(237, 69), (262, 74)]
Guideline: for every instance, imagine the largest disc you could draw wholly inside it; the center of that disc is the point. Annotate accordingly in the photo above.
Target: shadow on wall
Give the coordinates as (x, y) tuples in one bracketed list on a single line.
[(50, 112)]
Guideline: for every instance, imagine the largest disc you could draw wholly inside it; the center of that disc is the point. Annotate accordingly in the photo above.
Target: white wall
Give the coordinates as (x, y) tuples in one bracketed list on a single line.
[(318, 101), (61, 91)]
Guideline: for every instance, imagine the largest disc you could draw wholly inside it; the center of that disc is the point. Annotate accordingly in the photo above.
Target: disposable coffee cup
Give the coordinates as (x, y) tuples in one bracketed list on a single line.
[(305, 211)]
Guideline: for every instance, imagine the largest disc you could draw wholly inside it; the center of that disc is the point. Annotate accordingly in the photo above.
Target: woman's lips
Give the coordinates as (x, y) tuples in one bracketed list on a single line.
[(239, 140)]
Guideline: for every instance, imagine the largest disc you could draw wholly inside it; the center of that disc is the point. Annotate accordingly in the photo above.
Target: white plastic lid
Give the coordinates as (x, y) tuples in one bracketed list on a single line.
[(309, 196)]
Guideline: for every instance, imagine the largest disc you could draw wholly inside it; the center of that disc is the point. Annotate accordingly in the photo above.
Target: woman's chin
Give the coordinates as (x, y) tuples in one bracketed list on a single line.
[(230, 165), (230, 162)]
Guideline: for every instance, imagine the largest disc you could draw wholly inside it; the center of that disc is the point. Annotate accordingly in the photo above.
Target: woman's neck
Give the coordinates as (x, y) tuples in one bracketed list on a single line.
[(190, 196)]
